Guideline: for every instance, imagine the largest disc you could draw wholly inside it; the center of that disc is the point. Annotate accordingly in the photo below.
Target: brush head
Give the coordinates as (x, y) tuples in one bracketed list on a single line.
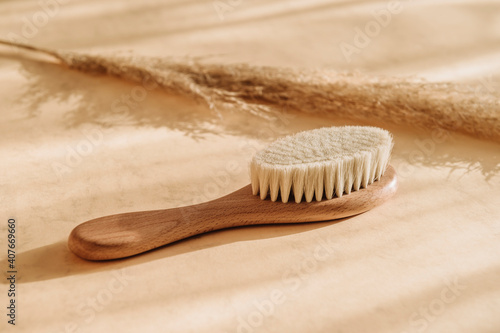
[(321, 163)]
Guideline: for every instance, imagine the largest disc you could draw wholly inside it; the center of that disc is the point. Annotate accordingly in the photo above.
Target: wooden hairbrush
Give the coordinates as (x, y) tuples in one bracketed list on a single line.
[(323, 164)]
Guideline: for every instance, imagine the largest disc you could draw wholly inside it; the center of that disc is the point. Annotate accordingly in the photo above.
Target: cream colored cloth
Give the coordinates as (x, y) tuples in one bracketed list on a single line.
[(75, 147)]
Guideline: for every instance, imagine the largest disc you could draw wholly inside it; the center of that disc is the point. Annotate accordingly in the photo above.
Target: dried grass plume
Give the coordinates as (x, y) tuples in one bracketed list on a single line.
[(261, 90)]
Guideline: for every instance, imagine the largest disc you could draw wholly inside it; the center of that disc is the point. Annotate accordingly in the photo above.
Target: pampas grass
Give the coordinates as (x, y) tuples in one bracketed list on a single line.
[(263, 90)]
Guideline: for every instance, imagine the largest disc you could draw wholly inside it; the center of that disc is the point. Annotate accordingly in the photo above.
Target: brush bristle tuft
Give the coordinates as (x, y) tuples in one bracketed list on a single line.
[(321, 163)]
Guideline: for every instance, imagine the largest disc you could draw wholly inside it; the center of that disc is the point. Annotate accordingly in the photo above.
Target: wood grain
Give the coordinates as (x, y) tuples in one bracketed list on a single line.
[(123, 235)]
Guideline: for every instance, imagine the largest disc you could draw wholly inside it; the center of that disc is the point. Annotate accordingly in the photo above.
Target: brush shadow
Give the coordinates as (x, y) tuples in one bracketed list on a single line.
[(56, 260)]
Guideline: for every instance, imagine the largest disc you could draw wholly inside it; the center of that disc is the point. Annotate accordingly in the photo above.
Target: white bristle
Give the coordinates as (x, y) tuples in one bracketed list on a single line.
[(325, 162)]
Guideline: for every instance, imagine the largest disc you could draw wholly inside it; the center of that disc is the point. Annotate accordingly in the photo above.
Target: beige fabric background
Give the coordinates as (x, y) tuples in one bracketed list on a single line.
[(74, 148)]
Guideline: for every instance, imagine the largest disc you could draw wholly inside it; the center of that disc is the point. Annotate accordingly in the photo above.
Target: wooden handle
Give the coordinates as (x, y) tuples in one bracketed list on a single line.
[(123, 235)]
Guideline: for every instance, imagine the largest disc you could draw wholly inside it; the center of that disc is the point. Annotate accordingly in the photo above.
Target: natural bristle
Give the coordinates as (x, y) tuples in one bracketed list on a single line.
[(321, 163)]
